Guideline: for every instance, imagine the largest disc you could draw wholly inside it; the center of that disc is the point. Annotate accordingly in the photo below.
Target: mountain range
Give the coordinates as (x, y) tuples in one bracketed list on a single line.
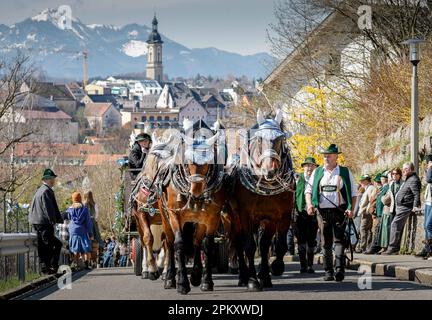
[(112, 50)]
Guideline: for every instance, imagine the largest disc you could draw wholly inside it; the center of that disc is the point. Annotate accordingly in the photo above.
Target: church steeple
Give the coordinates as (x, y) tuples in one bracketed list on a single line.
[(155, 23), (154, 55), (154, 36)]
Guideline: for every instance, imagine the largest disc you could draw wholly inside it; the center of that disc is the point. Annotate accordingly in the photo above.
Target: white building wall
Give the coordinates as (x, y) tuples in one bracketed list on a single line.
[(193, 111)]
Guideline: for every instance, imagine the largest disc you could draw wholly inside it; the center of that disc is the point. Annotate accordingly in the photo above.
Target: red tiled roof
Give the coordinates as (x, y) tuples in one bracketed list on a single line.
[(98, 159), (96, 109), (39, 114)]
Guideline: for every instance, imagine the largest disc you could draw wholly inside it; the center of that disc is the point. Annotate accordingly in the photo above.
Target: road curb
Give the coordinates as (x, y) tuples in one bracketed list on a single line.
[(22, 289), (41, 283), (420, 275), (408, 273)]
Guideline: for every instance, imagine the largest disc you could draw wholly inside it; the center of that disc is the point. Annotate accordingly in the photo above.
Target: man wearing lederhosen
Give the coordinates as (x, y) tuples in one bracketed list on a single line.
[(333, 192)]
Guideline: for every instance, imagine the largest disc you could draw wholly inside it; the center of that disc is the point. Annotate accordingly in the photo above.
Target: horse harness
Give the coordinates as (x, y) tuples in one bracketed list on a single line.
[(181, 180), (283, 181)]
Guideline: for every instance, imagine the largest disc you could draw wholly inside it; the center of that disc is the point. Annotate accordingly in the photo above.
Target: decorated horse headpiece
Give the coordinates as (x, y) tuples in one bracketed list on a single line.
[(269, 129), (198, 148), (161, 147)]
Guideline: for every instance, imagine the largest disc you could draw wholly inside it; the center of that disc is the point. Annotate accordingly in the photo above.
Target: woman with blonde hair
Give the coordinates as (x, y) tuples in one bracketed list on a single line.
[(94, 214), (80, 229)]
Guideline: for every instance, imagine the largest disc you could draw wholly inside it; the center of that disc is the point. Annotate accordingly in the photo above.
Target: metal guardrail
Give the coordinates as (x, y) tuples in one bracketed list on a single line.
[(18, 244)]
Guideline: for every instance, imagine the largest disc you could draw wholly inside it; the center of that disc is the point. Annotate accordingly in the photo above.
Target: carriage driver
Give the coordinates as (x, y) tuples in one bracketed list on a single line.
[(333, 192), (138, 153)]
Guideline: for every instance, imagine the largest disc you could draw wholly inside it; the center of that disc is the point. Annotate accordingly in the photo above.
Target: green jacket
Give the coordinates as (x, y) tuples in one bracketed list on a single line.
[(346, 190), (300, 196), (379, 205)]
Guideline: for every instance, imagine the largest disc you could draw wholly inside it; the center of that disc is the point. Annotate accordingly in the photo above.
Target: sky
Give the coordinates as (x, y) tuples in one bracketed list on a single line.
[(232, 25)]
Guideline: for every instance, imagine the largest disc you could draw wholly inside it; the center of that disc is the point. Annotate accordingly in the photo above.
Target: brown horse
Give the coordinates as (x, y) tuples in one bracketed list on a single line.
[(191, 204), (263, 189), (155, 169)]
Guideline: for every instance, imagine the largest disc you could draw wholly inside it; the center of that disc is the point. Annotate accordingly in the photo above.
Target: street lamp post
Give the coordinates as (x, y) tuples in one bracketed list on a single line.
[(415, 59)]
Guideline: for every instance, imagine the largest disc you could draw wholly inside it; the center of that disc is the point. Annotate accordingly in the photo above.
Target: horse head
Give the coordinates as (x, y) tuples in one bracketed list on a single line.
[(267, 145), (161, 153), (199, 156)]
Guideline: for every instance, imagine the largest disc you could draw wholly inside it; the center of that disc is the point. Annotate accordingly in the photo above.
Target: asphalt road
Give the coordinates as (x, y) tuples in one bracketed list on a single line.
[(122, 284)]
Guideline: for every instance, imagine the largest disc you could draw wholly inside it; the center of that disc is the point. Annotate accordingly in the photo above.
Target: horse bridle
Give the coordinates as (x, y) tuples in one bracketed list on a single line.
[(197, 177), (267, 153)]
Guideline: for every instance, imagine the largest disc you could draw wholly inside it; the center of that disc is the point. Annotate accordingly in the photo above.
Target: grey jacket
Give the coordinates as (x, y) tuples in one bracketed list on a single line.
[(44, 209), (409, 193)]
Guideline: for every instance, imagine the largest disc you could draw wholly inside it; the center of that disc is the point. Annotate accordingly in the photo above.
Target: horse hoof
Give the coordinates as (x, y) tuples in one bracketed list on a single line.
[(195, 280), (234, 270), (277, 268), (207, 286), (170, 284), (145, 275), (183, 289), (163, 277), (154, 275), (266, 283), (253, 285)]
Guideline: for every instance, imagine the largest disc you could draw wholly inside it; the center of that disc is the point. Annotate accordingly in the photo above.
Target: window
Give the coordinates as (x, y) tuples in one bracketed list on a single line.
[(144, 119), (166, 118), (150, 54), (151, 118), (159, 118)]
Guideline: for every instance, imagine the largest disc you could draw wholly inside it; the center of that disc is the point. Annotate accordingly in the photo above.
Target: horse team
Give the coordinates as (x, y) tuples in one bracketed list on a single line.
[(187, 180)]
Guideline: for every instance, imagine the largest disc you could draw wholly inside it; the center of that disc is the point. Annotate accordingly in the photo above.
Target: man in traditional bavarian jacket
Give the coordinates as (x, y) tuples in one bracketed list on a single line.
[(333, 192), (44, 214), (306, 225)]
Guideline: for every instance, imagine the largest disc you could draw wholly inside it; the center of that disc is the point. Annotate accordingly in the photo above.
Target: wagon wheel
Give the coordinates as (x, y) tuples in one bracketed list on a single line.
[(138, 257)]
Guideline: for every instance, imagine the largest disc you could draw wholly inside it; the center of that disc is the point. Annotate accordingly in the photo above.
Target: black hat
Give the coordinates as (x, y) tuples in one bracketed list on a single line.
[(142, 137)]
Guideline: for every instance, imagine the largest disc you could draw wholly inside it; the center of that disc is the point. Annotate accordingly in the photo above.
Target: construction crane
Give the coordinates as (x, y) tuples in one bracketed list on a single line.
[(84, 54)]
